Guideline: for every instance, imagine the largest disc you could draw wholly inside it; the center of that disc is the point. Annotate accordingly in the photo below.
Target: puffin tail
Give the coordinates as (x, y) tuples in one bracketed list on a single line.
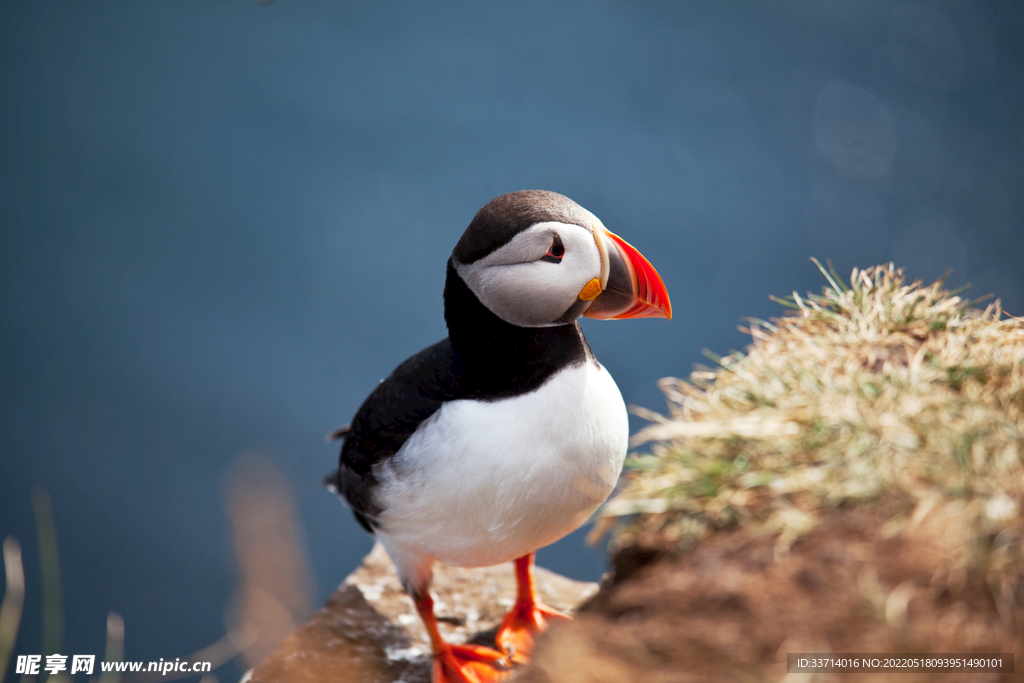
[(332, 482), (338, 434)]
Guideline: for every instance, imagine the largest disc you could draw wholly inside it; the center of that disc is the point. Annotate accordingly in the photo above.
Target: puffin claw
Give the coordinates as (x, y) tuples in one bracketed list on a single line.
[(521, 626), (470, 664)]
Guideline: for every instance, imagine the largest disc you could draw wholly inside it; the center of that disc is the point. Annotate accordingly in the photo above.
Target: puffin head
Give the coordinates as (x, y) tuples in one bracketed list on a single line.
[(538, 259)]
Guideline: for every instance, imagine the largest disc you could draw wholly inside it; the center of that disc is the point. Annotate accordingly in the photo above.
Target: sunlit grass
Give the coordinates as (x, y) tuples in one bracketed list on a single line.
[(874, 390)]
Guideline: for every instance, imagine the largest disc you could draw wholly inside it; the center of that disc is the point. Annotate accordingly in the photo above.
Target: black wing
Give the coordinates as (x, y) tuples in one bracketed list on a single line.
[(338, 434), (388, 417)]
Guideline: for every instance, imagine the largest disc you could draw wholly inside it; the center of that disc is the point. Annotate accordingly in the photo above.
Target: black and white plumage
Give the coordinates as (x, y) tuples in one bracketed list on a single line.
[(508, 434)]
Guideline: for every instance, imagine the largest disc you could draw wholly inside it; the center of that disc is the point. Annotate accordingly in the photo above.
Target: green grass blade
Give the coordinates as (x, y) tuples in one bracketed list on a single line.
[(831, 280), (784, 302), (836, 275), (49, 569)]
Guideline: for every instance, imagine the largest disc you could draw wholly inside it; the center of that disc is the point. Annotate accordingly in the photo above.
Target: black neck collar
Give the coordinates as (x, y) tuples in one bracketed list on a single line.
[(496, 359)]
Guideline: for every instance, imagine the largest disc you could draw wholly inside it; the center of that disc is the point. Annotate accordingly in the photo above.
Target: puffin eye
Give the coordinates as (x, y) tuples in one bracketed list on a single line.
[(555, 252)]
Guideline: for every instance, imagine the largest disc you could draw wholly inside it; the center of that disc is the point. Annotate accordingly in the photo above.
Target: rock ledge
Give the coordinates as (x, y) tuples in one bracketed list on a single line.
[(369, 631)]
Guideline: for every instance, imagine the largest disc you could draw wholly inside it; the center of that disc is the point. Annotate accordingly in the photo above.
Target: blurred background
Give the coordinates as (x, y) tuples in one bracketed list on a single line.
[(223, 222)]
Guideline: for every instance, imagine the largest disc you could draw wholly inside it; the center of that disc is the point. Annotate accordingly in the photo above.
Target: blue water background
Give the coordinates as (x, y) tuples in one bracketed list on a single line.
[(223, 222)]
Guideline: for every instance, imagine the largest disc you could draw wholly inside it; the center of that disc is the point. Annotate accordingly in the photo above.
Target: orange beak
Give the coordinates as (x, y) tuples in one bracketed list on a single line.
[(632, 288)]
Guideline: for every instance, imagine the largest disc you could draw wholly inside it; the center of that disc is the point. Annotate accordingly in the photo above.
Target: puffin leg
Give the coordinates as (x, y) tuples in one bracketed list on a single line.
[(458, 663), (527, 618)]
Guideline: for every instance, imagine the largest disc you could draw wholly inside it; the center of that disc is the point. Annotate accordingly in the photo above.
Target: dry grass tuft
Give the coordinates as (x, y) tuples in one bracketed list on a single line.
[(876, 391)]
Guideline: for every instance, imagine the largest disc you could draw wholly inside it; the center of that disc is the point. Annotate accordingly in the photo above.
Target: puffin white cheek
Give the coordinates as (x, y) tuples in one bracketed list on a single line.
[(520, 294), (521, 289), (533, 294)]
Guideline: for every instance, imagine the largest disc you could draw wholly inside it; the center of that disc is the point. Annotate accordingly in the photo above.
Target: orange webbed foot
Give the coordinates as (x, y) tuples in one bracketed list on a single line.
[(459, 663), (521, 626), (527, 618), (469, 664)]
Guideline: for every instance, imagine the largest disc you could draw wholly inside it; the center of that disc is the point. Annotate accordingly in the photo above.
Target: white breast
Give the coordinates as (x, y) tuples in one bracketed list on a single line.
[(481, 483)]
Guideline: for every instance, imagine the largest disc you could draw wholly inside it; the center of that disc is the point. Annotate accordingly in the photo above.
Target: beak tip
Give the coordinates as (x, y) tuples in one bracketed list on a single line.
[(639, 292)]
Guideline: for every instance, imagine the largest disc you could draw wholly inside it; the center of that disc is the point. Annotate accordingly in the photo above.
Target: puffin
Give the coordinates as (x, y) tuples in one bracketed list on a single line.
[(508, 434)]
